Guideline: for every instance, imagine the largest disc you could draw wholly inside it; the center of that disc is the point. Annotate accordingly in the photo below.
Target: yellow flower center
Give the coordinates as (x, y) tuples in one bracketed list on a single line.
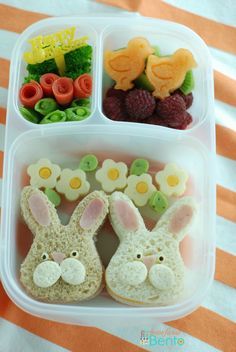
[(113, 174), (172, 180), (141, 187), (45, 172), (75, 183)]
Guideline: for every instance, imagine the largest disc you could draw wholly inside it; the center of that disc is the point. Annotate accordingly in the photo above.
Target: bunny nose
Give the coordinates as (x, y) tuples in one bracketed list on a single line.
[(58, 257), (149, 260)]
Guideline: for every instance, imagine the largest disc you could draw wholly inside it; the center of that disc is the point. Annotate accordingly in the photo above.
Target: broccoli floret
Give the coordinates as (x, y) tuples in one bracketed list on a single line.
[(78, 61), (37, 70), (44, 67), (30, 77)]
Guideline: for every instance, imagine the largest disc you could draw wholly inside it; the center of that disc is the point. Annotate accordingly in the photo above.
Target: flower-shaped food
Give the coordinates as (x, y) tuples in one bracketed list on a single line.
[(73, 184), (140, 189), (172, 180), (43, 174), (112, 175)]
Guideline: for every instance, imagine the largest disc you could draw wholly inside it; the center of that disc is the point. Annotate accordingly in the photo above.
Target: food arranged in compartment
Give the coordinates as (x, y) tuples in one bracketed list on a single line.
[(58, 85), (61, 269), (148, 87)]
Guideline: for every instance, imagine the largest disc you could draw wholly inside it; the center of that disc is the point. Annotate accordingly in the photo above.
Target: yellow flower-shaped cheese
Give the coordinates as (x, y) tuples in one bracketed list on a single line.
[(172, 180), (43, 174), (140, 189), (73, 184), (112, 175)]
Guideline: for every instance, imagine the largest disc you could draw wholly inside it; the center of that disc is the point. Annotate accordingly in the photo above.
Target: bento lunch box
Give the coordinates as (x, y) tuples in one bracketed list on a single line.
[(65, 142)]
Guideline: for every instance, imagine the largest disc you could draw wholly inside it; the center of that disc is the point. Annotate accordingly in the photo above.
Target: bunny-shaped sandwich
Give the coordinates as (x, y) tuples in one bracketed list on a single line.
[(147, 268), (62, 264)]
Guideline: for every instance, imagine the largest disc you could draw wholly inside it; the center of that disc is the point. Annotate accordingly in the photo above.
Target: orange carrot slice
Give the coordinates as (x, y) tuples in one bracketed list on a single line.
[(63, 90), (30, 93), (46, 82), (83, 86)]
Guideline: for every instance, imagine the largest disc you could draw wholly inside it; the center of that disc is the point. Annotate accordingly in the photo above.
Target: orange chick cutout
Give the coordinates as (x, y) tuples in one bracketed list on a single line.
[(125, 65), (166, 74)]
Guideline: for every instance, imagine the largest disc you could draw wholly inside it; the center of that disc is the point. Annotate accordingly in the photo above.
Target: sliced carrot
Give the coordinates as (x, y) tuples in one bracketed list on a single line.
[(30, 93), (46, 82), (63, 90), (83, 86)]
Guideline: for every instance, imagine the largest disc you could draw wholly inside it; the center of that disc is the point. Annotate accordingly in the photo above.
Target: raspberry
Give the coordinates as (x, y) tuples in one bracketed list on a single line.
[(114, 109), (140, 104), (112, 92), (188, 118), (155, 120), (187, 98), (181, 122), (171, 107), (178, 122)]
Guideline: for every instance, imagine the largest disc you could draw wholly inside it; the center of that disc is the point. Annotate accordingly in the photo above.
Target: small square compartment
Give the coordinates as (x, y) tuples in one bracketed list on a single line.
[(82, 29), (168, 37)]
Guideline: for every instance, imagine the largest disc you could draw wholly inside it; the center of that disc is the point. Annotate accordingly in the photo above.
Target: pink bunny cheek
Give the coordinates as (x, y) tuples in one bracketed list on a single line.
[(92, 213), (161, 277), (39, 209), (181, 219), (133, 273), (46, 274)]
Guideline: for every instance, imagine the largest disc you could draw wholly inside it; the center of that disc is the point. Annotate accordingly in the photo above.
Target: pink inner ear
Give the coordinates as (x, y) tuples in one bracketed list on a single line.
[(181, 219), (91, 213), (39, 209), (126, 215)]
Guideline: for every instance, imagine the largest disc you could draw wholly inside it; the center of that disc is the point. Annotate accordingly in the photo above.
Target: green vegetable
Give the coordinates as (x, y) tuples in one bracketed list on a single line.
[(139, 167), (143, 82), (77, 113), (46, 105), (88, 163), (30, 114), (188, 83), (53, 196), (31, 77), (158, 202), (55, 116), (78, 61), (157, 51), (37, 70), (80, 102), (44, 67)]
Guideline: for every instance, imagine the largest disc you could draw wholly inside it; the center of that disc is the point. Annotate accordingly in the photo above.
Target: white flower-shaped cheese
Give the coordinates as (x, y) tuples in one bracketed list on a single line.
[(112, 175), (172, 180), (73, 184), (43, 174), (140, 189)]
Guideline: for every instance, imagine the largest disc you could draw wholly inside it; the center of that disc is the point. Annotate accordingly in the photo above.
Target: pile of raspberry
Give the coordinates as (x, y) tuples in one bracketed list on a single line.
[(139, 105)]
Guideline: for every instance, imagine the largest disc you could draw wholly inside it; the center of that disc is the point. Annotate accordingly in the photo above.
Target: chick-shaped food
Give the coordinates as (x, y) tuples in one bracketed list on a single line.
[(167, 74), (125, 65)]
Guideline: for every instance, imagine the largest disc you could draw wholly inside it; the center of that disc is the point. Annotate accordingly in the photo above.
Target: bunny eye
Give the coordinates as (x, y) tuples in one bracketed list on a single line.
[(45, 256), (161, 258), (74, 254), (139, 255)]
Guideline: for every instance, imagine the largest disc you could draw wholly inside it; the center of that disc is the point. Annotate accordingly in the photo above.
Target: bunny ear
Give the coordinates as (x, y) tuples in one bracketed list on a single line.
[(38, 212), (178, 219), (89, 215), (125, 217)]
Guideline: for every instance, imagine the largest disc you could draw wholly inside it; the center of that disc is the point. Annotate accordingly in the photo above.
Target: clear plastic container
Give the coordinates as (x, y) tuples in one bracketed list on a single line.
[(63, 143)]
